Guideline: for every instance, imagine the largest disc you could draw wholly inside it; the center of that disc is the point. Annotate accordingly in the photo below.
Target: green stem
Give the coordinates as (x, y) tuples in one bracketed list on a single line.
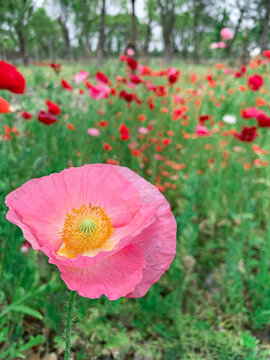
[(68, 326)]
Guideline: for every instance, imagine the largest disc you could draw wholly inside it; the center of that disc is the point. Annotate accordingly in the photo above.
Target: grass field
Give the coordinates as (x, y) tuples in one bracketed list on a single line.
[(214, 302)]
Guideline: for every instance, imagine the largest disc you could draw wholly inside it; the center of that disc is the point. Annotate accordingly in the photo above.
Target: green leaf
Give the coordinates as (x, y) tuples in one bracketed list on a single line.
[(27, 310)]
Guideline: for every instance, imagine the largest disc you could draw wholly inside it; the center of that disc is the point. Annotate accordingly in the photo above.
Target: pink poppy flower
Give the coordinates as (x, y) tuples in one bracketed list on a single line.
[(143, 130), (93, 132), (130, 52), (222, 45), (100, 91), (81, 76), (226, 34), (214, 45), (107, 230), (202, 130)]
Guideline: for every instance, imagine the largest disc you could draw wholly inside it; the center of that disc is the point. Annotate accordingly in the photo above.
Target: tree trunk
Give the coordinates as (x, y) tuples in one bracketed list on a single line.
[(167, 51), (230, 44), (65, 34), (264, 40), (133, 27), (147, 39), (23, 50), (196, 15), (100, 48)]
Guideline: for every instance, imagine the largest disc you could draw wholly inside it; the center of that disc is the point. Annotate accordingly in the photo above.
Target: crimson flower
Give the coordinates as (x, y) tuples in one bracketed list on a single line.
[(247, 134), (132, 63), (11, 79), (53, 108), (56, 67), (47, 118), (124, 131), (102, 77), (26, 115), (66, 85), (173, 75), (266, 54), (251, 112), (255, 82), (263, 120)]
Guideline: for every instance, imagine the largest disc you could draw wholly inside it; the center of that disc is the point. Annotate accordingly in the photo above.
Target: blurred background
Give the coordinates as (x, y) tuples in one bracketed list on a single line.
[(36, 30)]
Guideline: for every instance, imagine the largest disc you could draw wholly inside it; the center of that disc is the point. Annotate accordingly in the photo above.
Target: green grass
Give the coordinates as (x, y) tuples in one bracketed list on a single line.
[(214, 302)]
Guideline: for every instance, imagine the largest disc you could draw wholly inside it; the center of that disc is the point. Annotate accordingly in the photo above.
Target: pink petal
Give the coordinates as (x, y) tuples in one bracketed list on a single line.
[(114, 277), (42, 204), (158, 241)]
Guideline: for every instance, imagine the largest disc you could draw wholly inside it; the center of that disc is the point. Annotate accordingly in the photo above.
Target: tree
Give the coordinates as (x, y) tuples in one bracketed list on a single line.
[(150, 8), (100, 48), (264, 40), (17, 15), (167, 13)]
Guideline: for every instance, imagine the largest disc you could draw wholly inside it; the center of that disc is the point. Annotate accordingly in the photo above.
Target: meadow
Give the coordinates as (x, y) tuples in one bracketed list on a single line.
[(214, 301)]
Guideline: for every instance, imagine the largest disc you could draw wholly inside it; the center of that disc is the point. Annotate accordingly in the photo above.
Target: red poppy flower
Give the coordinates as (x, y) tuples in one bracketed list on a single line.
[(107, 147), (11, 79), (4, 106), (127, 96), (255, 82), (247, 134), (124, 131), (66, 85), (173, 75), (102, 77), (250, 112), (135, 79), (56, 67), (132, 63), (263, 120), (53, 108), (46, 117), (26, 115), (266, 54), (203, 118)]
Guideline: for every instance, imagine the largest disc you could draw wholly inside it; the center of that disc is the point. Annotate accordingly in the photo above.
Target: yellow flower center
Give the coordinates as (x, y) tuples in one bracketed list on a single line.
[(86, 230)]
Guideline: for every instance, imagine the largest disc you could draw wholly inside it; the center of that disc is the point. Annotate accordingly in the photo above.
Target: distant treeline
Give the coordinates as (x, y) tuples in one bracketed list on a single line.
[(85, 29)]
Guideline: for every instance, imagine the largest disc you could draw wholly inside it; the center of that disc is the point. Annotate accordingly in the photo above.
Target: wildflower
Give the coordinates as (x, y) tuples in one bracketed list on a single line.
[(26, 115), (93, 132), (66, 85), (47, 118), (250, 112), (100, 77), (263, 120), (132, 63), (247, 134), (266, 54), (143, 130), (107, 146), (56, 67), (226, 34), (202, 130), (107, 229), (4, 106), (70, 126), (11, 79), (81, 76), (255, 82), (130, 52), (173, 75), (124, 131), (99, 92), (53, 107), (229, 119)]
